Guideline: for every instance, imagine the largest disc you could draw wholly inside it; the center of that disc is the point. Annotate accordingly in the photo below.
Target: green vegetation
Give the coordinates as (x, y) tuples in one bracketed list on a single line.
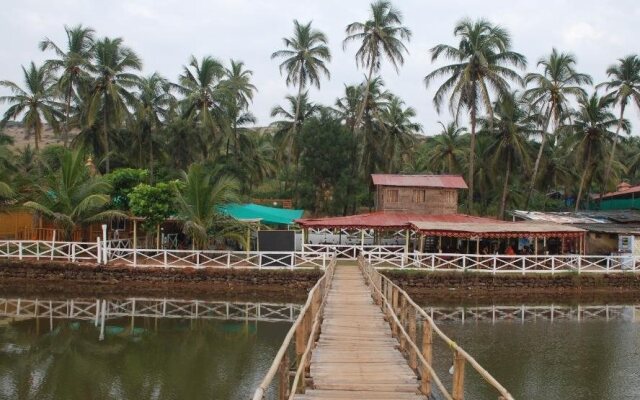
[(545, 138)]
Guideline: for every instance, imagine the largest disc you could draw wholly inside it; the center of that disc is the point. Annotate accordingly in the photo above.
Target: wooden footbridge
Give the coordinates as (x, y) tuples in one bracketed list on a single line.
[(357, 338)]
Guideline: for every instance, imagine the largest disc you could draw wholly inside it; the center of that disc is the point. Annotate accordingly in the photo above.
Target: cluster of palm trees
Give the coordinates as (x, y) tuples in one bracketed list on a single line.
[(516, 136)]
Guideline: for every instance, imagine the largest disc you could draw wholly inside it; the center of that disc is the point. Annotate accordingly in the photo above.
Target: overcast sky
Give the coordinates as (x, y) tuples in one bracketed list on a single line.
[(166, 32)]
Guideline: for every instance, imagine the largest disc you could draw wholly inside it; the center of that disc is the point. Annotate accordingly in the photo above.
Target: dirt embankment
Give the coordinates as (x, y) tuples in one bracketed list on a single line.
[(64, 279), (484, 288)]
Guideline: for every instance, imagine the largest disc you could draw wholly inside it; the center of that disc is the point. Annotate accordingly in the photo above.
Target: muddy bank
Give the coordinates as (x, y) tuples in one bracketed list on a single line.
[(61, 279), (455, 288)]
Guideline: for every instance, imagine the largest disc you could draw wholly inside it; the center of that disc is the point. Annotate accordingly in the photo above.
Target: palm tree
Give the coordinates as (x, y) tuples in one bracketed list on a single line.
[(623, 86), (238, 92), (399, 129), (481, 63), (371, 134), (36, 101), (348, 107), (72, 197), (305, 55), (199, 84), (75, 63), (198, 201), (110, 94), (445, 151), (590, 136), (151, 111), (511, 127), (381, 36), (552, 91), (286, 135)]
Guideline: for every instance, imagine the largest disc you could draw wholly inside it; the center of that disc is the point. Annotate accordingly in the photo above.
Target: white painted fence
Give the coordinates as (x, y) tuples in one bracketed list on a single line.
[(352, 251), (116, 252), (496, 264)]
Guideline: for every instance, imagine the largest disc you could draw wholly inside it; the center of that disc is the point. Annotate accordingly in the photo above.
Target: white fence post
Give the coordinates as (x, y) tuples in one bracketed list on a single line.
[(98, 250), (20, 250), (105, 254)]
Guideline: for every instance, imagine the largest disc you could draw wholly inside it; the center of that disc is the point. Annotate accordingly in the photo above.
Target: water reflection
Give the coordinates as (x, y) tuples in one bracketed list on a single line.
[(548, 351), (151, 348), (524, 313)]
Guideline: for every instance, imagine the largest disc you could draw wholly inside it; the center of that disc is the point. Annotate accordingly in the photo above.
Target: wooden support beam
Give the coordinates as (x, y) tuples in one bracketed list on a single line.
[(427, 353), (413, 357), (458, 376)]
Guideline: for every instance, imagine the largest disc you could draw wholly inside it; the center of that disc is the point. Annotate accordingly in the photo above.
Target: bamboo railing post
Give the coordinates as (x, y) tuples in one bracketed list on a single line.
[(402, 318), (413, 357), (458, 376), (427, 353), (283, 371)]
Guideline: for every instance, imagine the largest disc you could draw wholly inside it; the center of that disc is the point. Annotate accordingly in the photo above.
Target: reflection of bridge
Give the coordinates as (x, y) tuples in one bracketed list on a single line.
[(96, 310), (524, 313)]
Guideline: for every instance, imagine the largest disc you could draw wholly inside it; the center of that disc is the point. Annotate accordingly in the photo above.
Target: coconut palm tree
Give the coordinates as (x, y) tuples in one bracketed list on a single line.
[(198, 199), (72, 197), (199, 84), (237, 92), (380, 36), (510, 129), (371, 134), (75, 63), (36, 102), (399, 129), (286, 134), (305, 56), (481, 65), (115, 66), (348, 106), (446, 152), (623, 86), (552, 91), (590, 136), (151, 111)]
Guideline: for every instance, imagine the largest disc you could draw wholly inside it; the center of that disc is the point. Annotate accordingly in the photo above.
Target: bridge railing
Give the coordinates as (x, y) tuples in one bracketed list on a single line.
[(497, 264), (352, 251), (404, 316), (302, 336)]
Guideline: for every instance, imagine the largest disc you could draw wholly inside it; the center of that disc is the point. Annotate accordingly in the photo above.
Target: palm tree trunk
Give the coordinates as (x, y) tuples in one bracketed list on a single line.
[(235, 140), (505, 187), (607, 169), (65, 131), (105, 136), (364, 97), (582, 179), (536, 166), (472, 154), (151, 159)]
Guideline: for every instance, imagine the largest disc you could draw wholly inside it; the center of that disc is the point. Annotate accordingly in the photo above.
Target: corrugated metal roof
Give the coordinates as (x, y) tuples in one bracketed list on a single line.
[(434, 181), (581, 217), (625, 191), (497, 229), (388, 220)]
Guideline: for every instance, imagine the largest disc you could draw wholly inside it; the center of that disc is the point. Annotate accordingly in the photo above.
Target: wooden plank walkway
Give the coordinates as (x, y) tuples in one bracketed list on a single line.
[(356, 356)]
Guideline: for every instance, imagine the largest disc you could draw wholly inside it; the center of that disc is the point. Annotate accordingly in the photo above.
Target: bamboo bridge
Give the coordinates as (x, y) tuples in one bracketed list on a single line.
[(357, 338)]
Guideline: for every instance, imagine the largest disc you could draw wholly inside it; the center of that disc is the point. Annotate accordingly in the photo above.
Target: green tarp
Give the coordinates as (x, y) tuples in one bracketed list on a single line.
[(266, 215)]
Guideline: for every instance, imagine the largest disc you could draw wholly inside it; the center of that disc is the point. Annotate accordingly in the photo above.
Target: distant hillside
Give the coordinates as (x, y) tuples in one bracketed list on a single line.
[(18, 133)]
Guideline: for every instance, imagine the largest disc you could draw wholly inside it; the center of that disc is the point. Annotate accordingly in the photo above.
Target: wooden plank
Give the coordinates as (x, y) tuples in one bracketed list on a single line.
[(356, 356)]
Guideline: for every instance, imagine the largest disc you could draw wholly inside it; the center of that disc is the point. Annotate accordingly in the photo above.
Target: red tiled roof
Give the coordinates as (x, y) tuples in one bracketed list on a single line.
[(434, 181), (388, 220), (627, 190)]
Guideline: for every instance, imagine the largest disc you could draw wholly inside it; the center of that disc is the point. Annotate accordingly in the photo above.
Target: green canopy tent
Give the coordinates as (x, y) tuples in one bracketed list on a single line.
[(266, 215)]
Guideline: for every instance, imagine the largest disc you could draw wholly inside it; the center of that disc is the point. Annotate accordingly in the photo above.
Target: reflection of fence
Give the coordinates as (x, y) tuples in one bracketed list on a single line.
[(495, 264), (526, 313), (93, 310)]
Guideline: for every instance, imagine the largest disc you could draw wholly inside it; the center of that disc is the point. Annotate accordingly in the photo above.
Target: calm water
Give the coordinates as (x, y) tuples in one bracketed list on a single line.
[(595, 356), (155, 349), (174, 357)]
